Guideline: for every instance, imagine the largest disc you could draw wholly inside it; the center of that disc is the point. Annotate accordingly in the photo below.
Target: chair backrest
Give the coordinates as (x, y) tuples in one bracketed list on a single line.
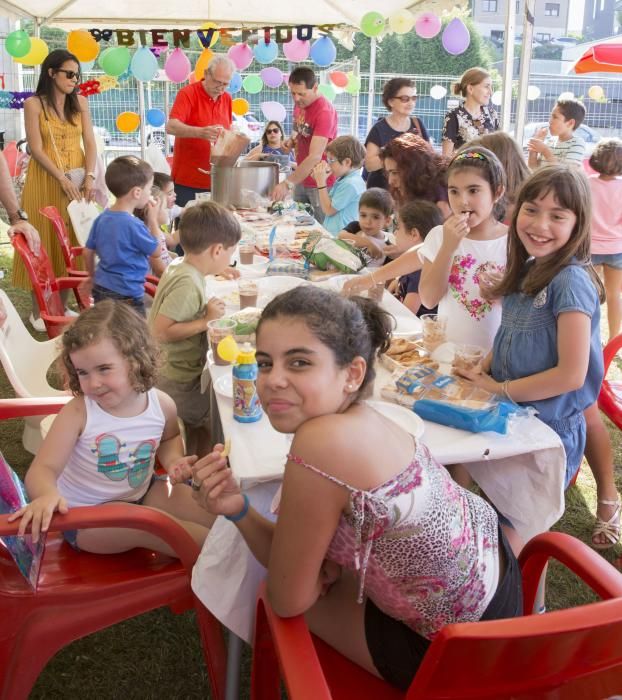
[(610, 350), (25, 360), (42, 277), (60, 230)]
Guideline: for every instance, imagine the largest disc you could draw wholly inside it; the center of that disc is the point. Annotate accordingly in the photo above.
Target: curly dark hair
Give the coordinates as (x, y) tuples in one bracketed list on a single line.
[(422, 170), (392, 87), (350, 327), (128, 331)]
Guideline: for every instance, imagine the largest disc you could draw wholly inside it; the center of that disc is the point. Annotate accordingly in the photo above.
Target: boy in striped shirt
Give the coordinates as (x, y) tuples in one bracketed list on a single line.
[(564, 146)]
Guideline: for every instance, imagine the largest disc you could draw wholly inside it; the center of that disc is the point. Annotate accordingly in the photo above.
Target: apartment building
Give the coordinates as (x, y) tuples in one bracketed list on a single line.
[(551, 18), (599, 18)]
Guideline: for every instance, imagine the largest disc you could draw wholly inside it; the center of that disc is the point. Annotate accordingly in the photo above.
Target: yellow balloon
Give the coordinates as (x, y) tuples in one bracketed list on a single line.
[(240, 106), (228, 349), (215, 35), (596, 92), (38, 51), (128, 121), (201, 65), (82, 45)]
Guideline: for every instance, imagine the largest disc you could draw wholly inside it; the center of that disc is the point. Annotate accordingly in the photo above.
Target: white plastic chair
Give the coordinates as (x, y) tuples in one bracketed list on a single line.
[(26, 362)]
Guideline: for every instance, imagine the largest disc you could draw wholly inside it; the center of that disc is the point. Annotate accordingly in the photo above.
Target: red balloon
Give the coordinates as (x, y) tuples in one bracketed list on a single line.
[(338, 78)]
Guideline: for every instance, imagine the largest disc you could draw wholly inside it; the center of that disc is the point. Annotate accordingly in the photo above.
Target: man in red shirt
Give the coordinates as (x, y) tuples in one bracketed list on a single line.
[(315, 124), (200, 111)]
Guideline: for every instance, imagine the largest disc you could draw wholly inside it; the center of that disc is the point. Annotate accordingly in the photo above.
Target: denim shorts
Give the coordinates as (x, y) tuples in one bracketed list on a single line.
[(610, 260), (137, 303)]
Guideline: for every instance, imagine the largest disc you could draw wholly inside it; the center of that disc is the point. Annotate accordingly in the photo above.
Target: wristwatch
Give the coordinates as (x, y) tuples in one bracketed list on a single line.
[(91, 175), (19, 215), (290, 185)]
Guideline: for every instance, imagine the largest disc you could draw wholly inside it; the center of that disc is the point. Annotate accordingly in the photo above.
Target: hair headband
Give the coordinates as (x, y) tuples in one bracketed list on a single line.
[(470, 155)]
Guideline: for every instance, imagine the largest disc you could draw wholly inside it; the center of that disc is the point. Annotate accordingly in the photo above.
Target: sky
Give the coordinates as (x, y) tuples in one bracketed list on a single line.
[(575, 22)]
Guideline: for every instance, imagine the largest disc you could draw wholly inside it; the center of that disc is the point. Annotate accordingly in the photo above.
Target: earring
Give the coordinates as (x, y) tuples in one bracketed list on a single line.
[(349, 387)]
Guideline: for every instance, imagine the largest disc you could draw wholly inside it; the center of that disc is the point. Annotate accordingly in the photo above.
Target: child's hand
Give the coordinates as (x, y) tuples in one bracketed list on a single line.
[(375, 251), (392, 251), (39, 513), (320, 173), (455, 228), (151, 214), (231, 273), (481, 380), (215, 308), (181, 470), (213, 484), (329, 573), (356, 285)]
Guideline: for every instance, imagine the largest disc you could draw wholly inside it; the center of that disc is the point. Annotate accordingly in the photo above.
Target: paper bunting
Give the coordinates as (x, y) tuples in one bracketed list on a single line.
[(89, 87), (107, 82), (18, 99)]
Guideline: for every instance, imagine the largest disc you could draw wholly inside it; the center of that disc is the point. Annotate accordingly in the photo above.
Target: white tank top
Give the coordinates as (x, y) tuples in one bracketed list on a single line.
[(113, 458)]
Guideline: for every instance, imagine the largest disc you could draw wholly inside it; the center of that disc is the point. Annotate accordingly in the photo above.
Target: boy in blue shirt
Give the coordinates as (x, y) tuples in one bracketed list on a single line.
[(125, 246), (340, 204)]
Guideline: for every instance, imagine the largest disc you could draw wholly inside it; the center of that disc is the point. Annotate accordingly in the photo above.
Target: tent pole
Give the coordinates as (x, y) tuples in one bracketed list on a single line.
[(141, 111), (523, 76), (372, 82), (508, 67)]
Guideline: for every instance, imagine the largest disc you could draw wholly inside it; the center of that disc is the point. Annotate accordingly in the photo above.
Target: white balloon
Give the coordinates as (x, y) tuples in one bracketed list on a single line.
[(437, 92), (497, 98), (533, 92), (566, 96), (274, 111)]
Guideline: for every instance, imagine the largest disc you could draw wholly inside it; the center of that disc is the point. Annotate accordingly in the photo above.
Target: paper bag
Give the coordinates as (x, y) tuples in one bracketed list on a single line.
[(82, 215)]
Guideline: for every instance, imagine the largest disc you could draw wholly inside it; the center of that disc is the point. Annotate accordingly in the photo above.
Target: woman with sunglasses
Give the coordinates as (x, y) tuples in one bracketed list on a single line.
[(272, 144), (399, 96), (57, 119)]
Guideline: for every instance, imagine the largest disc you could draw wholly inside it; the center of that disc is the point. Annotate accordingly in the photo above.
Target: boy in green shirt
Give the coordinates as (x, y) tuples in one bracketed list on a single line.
[(178, 319)]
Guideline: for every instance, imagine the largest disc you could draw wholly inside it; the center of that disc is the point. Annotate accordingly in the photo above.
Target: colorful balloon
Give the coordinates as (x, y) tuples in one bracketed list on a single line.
[(127, 122), (177, 66), (354, 84), (241, 55), (273, 111), (296, 50), (17, 43), (372, 24), (215, 35), (427, 25), (240, 106), (38, 51), (437, 92), (272, 77), (456, 37), (266, 53), (497, 98), (402, 21), (596, 93), (82, 45), (114, 60), (235, 84), (155, 117), (202, 63), (144, 65), (338, 78), (252, 84), (327, 91), (323, 52), (533, 92)]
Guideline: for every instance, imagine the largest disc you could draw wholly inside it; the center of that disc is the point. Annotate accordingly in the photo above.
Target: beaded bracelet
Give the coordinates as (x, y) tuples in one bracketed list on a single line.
[(505, 392), (238, 516)]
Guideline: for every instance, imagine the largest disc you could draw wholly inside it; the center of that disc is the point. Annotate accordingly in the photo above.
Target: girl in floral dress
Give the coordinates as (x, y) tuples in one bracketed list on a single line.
[(471, 241)]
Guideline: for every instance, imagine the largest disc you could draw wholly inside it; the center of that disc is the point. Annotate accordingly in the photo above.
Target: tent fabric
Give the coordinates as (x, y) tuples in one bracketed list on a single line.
[(602, 58)]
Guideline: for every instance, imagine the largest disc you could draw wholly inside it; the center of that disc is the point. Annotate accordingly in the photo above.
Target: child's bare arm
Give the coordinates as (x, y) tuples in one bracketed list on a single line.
[(362, 241), (406, 263), (167, 330), (171, 450)]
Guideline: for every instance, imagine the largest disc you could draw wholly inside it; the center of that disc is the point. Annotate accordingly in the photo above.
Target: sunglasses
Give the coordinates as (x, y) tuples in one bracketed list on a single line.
[(273, 131), (405, 98), (71, 74)]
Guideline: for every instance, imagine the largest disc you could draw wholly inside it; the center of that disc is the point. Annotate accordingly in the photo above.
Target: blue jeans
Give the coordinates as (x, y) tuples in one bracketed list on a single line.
[(137, 303)]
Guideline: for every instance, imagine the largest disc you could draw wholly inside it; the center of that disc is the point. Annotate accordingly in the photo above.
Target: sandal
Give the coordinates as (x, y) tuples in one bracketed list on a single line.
[(609, 528)]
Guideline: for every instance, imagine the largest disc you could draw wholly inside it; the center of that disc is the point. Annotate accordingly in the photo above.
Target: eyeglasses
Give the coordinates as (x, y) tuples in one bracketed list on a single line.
[(273, 131), (71, 74), (405, 98), (330, 161), (218, 83)]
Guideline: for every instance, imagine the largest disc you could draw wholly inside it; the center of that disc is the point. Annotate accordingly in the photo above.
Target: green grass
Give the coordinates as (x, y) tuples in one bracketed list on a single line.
[(158, 655)]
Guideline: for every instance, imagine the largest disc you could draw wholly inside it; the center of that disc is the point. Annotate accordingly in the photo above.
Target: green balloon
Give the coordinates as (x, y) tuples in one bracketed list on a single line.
[(372, 24), (17, 43), (328, 91), (252, 84), (114, 60), (354, 84)]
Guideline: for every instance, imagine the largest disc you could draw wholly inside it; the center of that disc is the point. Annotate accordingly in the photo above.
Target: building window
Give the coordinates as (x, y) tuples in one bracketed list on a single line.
[(543, 37), (489, 5), (497, 34), (551, 9)]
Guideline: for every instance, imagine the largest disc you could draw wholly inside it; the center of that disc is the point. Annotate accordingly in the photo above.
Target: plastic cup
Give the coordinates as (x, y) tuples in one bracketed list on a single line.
[(434, 331), (248, 292), (467, 357), (217, 329), (247, 252)]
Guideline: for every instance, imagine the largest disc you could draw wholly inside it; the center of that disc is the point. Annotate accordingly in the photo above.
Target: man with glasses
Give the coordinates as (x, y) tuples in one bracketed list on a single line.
[(199, 113), (315, 124)]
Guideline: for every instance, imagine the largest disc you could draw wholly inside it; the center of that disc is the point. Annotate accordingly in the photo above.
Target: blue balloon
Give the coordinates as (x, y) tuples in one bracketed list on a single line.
[(235, 84), (144, 65), (323, 52), (155, 117), (266, 53)]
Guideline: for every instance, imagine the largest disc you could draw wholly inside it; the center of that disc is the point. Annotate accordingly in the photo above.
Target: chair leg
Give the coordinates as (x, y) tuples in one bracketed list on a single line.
[(214, 651), (234, 658), (265, 676)]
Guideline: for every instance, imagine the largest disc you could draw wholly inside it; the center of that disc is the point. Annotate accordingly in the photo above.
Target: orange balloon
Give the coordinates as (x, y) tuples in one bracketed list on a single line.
[(82, 45), (240, 106), (338, 78), (128, 121), (201, 65)]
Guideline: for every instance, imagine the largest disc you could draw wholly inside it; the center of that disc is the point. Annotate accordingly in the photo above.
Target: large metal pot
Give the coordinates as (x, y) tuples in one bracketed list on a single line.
[(239, 185)]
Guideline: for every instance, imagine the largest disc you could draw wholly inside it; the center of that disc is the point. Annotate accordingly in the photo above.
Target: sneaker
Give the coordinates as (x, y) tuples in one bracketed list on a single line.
[(37, 323), (71, 312)]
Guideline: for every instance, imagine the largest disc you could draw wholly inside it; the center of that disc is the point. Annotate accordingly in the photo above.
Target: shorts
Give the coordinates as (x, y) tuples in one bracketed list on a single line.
[(193, 406), (397, 651), (610, 260), (137, 303)]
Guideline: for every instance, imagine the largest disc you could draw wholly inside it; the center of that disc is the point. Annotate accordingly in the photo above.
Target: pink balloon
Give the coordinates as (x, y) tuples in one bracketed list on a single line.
[(177, 66), (428, 25), (241, 55), (296, 50), (456, 37), (272, 77)]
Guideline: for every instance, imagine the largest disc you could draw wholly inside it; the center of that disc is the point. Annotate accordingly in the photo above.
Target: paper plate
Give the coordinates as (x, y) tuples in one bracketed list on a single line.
[(224, 386), (407, 420)]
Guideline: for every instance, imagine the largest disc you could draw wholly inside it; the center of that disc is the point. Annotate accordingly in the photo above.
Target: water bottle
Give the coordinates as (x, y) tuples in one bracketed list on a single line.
[(246, 404)]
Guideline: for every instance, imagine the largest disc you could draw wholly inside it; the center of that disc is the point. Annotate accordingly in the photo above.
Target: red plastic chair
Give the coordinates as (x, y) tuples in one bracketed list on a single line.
[(568, 654), (47, 287), (80, 593), (70, 253), (610, 397)]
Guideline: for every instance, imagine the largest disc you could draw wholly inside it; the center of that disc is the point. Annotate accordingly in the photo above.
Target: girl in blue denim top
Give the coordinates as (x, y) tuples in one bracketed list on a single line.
[(547, 351)]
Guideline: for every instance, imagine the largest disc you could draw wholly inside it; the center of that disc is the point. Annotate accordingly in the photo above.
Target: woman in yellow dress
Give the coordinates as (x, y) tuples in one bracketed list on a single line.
[(57, 120)]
